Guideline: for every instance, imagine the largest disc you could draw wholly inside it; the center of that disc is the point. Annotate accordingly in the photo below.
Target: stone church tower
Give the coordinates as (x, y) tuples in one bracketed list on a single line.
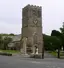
[(32, 40)]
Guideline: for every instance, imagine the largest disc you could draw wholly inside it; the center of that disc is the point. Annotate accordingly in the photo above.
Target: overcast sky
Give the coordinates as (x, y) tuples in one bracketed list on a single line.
[(11, 14)]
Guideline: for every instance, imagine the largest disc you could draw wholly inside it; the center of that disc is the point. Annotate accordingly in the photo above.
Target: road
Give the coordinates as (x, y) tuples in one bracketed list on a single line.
[(19, 62)]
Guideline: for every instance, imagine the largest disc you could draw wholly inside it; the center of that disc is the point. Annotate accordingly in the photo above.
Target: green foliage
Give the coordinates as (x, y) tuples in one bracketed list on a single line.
[(56, 33), (1, 42), (62, 30), (51, 42), (4, 41), (7, 40), (11, 34), (62, 38), (10, 51)]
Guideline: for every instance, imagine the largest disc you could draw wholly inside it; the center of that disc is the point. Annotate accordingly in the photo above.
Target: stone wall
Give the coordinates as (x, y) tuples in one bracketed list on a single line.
[(32, 26)]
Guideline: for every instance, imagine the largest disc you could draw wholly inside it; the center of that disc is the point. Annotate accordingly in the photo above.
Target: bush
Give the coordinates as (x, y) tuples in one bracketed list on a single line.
[(6, 54)]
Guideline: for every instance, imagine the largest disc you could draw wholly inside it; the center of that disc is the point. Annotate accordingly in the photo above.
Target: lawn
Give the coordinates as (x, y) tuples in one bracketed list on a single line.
[(54, 53), (10, 51)]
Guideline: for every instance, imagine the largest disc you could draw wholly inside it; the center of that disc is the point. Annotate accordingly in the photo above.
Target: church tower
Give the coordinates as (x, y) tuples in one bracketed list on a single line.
[(32, 29)]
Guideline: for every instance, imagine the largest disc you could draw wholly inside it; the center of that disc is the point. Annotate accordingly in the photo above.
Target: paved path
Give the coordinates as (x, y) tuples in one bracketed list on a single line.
[(19, 62)]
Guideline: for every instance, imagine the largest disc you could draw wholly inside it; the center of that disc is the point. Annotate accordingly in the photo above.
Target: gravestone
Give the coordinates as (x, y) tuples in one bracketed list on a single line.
[(32, 29)]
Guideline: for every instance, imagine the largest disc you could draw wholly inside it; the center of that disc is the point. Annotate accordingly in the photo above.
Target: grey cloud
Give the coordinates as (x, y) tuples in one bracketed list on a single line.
[(11, 14)]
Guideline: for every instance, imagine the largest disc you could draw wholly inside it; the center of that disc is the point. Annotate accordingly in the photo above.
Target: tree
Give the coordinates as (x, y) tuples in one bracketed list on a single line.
[(51, 42), (1, 42), (11, 34), (7, 40), (59, 37), (62, 32), (56, 33)]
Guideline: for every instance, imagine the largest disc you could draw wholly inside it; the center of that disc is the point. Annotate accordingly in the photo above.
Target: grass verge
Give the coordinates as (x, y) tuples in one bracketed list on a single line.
[(10, 51)]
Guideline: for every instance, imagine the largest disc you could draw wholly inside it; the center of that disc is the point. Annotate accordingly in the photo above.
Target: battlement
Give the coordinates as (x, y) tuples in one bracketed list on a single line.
[(32, 6)]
